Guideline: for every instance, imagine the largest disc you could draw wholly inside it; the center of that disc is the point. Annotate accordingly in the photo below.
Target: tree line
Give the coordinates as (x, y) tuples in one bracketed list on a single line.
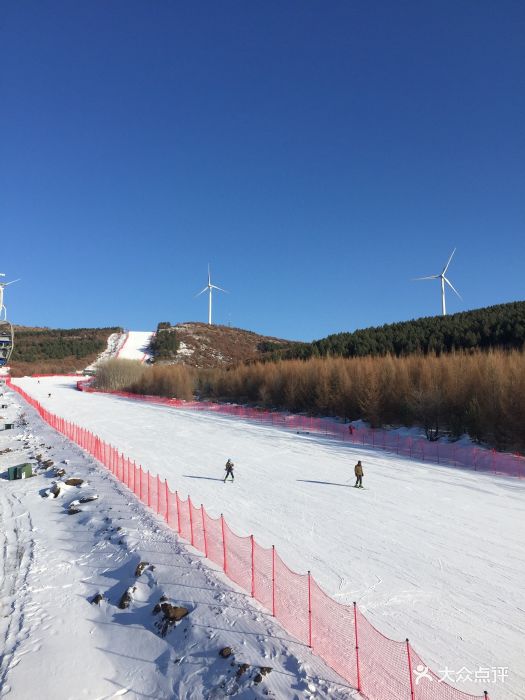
[(500, 326), (478, 393), (165, 342), (57, 344)]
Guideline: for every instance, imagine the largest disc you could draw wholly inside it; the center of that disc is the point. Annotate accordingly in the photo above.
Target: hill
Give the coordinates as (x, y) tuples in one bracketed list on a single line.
[(493, 327), (213, 346), (50, 351)]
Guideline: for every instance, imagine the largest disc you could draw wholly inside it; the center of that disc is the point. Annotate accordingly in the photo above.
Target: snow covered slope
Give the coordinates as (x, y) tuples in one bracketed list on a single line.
[(136, 346), (93, 539), (429, 552), (114, 344)]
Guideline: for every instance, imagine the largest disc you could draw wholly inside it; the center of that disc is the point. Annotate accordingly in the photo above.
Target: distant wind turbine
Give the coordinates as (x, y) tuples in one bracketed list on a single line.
[(208, 288), (443, 279)]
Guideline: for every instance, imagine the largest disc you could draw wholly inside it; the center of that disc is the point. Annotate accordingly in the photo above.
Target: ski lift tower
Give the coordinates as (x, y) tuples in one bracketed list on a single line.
[(6, 329)]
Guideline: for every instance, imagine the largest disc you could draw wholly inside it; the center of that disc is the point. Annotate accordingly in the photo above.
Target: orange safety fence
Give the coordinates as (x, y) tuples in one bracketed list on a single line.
[(379, 667), (448, 453)]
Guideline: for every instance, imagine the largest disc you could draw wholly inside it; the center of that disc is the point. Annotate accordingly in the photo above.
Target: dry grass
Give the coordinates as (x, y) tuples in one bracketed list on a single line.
[(482, 394), (66, 365)]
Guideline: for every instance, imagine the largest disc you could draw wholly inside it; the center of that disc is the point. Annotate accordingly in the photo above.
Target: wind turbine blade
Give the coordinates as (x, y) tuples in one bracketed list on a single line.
[(209, 275), (219, 288), (452, 287), (12, 282), (446, 266), (204, 290), (432, 277)]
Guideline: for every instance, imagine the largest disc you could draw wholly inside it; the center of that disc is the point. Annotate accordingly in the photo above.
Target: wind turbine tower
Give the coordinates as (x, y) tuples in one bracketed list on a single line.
[(209, 288), (444, 280), (6, 330), (3, 285)]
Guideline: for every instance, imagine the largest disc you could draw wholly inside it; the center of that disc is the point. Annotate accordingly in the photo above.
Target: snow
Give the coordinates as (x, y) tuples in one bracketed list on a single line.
[(429, 552), (114, 344), (136, 346), (184, 349), (57, 645)]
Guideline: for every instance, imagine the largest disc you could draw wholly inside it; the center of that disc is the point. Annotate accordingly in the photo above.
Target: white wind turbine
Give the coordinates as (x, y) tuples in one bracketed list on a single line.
[(208, 288), (443, 279), (3, 285)]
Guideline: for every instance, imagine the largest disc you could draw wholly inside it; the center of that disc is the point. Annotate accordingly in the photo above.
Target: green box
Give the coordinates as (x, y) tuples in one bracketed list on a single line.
[(21, 471)]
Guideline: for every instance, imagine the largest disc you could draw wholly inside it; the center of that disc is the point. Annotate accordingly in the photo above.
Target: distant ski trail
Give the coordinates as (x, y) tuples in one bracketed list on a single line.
[(136, 346)]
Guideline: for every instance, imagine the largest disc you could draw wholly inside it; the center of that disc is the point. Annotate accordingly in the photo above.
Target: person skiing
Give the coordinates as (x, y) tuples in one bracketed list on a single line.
[(358, 469), (229, 469)]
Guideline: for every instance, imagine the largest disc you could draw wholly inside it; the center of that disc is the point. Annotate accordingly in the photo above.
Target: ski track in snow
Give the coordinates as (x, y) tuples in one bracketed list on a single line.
[(136, 346)]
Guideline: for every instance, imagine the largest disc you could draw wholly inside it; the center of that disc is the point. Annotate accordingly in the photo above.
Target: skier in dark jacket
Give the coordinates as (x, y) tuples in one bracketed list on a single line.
[(358, 469), (229, 469)]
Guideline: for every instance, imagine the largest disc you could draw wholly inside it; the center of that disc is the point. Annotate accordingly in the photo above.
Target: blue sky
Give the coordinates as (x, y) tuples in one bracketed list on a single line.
[(319, 155)]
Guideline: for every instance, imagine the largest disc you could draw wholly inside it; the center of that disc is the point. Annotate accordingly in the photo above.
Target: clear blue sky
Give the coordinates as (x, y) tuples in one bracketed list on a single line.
[(318, 155)]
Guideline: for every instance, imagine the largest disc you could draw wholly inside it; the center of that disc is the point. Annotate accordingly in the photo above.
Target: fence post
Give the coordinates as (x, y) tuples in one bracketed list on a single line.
[(412, 696), (167, 501), (134, 477), (191, 521), (223, 544), (158, 494), (309, 609), (140, 482), (204, 532), (253, 566), (178, 509), (149, 495), (273, 580), (357, 650)]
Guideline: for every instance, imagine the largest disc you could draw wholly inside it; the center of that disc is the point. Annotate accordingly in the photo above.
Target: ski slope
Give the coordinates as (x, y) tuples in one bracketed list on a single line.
[(432, 553), (136, 346), (56, 643)]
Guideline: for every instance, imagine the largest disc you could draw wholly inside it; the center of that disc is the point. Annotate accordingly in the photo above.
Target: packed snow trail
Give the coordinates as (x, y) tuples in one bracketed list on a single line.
[(429, 552), (58, 553), (136, 346)]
